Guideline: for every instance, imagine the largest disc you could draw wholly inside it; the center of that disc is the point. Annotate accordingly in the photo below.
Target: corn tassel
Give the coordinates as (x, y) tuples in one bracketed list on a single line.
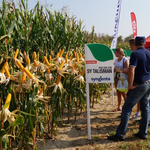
[(28, 73), (16, 53), (20, 65), (7, 72), (8, 99)]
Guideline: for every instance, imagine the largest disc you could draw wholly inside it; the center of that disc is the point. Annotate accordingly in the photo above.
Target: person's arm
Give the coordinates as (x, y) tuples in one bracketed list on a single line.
[(126, 69), (131, 78)]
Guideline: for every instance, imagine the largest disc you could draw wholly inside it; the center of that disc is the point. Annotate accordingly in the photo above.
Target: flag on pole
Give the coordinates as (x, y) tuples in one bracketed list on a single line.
[(134, 24), (114, 42)]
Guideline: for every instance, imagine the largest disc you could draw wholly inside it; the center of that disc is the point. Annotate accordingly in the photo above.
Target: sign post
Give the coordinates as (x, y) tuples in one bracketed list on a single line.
[(99, 66)]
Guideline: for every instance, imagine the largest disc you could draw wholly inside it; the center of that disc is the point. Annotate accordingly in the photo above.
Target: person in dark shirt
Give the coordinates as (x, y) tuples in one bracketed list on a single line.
[(139, 90)]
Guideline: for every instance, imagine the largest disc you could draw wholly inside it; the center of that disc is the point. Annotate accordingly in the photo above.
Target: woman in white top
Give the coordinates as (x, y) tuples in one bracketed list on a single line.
[(121, 64)]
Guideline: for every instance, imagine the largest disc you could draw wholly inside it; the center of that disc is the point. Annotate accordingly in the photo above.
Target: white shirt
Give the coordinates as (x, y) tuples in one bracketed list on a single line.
[(119, 65)]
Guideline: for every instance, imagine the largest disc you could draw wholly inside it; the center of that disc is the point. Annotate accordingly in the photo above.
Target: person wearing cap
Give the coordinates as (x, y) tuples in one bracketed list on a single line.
[(139, 90), (137, 114), (121, 65)]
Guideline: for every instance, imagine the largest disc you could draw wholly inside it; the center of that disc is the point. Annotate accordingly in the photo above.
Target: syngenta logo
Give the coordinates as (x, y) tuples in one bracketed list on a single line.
[(100, 79)]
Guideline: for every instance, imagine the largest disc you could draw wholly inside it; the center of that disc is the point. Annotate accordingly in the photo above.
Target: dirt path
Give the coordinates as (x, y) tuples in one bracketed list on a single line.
[(103, 122)]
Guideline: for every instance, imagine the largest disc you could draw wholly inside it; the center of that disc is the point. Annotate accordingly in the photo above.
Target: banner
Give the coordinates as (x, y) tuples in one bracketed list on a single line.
[(134, 24), (114, 42)]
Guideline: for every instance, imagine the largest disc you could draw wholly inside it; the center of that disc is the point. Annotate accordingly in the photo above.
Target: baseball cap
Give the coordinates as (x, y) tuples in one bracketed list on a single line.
[(140, 39)]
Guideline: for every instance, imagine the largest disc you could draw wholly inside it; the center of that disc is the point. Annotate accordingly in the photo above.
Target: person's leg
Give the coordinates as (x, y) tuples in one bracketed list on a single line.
[(124, 94), (133, 96), (119, 100), (137, 114), (138, 106), (144, 106)]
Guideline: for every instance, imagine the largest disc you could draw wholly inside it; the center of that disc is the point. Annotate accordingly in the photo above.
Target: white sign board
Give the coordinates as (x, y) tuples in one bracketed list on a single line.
[(99, 66), (99, 63)]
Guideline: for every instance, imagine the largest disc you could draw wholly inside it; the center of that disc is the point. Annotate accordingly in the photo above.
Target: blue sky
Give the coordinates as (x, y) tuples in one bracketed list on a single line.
[(101, 14)]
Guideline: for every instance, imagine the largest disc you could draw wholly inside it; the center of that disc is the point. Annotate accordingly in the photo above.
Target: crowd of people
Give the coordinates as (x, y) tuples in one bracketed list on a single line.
[(137, 69)]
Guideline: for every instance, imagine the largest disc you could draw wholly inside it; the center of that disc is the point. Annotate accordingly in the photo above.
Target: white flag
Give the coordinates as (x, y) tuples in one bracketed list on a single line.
[(114, 42)]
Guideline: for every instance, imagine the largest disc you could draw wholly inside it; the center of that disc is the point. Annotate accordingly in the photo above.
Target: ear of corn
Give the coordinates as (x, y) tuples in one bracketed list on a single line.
[(48, 70), (34, 56), (75, 66), (7, 72), (35, 63), (20, 65), (8, 99), (66, 59), (46, 61), (58, 79), (61, 53), (60, 67), (23, 77), (28, 73), (70, 57), (57, 54), (80, 55), (43, 61), (66, 54), (16, 53), (3, 68), (74, 54), (83, 72), (50, 58), (28, 61), (77, 58), (40, 91), (6, 40)]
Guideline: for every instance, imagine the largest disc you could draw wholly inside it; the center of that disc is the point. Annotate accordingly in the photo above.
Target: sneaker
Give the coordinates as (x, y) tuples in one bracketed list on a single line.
[(140, 136), (115, 138), (136, 117)]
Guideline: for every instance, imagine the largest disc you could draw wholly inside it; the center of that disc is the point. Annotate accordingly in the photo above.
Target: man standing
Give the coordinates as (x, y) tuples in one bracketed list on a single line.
[(137, 114), (139, 90)]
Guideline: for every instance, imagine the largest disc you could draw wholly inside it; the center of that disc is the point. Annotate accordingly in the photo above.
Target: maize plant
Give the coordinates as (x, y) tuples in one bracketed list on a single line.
[(42, 71)]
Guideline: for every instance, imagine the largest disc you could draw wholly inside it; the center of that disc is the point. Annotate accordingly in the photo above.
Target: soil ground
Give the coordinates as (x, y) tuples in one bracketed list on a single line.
[(104, 122)]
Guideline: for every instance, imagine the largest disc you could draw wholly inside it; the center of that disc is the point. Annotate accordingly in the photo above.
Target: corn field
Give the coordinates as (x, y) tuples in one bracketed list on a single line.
[(42, 73)]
